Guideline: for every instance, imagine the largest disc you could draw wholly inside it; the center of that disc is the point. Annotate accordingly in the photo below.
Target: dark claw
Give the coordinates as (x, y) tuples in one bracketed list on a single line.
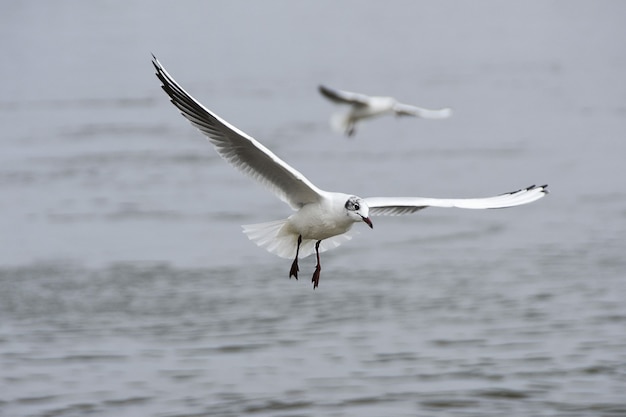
[(316, 277), (294, 269), (293, 272)]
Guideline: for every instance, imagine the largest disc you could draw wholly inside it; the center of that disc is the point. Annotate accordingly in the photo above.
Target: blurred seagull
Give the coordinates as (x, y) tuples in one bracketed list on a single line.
[(322, 219), (366, 107)]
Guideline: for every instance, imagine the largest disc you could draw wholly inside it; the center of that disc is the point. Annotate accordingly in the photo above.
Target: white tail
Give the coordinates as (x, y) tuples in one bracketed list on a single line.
[(276, 239), (340, 122)]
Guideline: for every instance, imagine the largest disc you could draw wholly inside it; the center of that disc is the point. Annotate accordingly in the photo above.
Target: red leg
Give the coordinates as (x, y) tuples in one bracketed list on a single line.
[(294, 266), (318, 267)]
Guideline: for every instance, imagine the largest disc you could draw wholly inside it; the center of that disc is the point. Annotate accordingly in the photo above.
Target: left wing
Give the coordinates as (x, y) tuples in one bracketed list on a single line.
[(407, 110), (395, 206)]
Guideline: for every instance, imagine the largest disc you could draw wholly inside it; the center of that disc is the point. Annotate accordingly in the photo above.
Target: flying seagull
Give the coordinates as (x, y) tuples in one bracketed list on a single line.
[(322, 219), (366, 107)]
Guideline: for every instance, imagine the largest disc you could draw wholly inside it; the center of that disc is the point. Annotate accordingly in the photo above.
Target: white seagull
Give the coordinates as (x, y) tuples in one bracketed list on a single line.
[(366, 107), (322, 218)]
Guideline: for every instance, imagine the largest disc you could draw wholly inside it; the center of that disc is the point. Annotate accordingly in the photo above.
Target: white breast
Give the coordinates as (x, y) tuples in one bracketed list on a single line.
[(321, 221)]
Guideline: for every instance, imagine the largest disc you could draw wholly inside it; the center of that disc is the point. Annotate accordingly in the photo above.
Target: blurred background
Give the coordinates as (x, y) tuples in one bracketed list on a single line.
[(128, 289)]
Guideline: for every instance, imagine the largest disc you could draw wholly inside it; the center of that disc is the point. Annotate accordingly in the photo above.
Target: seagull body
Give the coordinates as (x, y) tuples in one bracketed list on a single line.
[(366, 107), (322, 219)]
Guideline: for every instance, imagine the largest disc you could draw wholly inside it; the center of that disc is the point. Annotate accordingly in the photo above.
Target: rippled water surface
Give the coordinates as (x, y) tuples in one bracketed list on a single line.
[(128, 289)]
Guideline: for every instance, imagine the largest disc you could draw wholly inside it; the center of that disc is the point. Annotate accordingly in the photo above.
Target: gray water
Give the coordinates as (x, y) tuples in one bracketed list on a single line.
[(128, 289)]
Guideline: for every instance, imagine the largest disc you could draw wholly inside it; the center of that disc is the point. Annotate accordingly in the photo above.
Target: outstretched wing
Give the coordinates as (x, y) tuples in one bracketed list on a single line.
[(407, 110), (241, 150), (395, 206), (344, 97)]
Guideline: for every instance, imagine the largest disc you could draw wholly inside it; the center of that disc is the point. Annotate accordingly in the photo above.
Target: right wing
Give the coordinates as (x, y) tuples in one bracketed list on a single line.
[(344, 97), (241, 150)]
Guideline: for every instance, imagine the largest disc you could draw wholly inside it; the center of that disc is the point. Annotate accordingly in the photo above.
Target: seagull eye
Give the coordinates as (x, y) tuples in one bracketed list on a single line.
[(352, 205)]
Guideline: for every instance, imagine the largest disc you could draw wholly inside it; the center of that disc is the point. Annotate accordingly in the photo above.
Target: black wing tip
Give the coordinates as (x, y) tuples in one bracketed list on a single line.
[(325, 90), (158, 68), (167, 84), (176, 94), (542, 188), (160, 71)]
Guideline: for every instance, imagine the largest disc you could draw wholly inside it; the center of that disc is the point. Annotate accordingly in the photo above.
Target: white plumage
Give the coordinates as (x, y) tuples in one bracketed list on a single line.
[(322, 219), (361, 107)]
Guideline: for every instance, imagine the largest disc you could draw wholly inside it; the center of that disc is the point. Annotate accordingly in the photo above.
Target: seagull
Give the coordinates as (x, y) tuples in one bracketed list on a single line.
[(322, 219), (366, 107)]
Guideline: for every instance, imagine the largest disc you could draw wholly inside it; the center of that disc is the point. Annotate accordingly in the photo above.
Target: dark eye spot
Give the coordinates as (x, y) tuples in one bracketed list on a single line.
[(352, 205)]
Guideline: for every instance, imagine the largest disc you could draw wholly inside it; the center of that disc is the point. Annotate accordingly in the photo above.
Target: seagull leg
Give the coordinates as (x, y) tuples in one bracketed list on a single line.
[(316, 275), (294, 266)]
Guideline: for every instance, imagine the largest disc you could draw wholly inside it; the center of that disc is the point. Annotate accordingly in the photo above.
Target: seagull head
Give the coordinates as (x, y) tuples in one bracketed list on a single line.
[(358, 210)]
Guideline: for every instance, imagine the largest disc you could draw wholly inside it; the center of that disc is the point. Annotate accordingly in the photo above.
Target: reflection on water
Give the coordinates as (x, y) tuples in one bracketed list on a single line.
[(127, 287)]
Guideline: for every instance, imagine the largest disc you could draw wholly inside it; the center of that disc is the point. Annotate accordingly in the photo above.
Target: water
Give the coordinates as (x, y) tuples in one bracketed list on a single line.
[(127, 287)]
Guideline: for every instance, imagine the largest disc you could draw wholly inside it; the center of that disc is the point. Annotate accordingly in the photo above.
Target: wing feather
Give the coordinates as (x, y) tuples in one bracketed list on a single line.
[(408, 110), (395, 206), (241, 150), (344, 97)]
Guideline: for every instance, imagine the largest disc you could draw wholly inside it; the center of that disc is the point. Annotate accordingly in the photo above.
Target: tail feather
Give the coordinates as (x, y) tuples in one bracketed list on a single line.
[(340, 122), (277, 239), (273, 237)]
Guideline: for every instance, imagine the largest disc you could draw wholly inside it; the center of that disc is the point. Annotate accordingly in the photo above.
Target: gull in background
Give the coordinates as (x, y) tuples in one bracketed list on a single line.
[(366, 107), (322, 219)]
